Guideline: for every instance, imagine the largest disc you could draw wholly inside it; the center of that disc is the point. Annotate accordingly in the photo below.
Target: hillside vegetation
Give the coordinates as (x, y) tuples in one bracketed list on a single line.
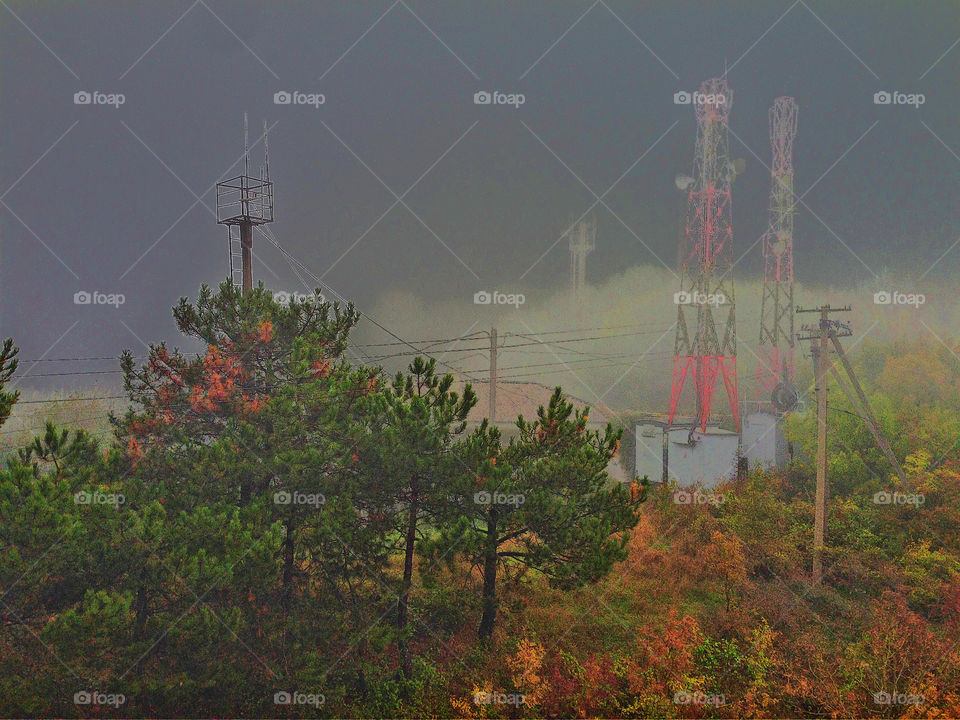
[(274, 532)]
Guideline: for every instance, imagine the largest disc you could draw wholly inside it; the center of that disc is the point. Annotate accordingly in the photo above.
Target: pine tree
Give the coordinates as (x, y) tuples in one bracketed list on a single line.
[(544, 500), (8, 366), (411, 455)]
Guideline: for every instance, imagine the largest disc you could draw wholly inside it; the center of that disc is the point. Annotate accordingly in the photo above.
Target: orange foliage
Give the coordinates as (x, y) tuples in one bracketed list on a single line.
[(134, 450), (526, 667), (222, 372), (320, 368), (265, 331), (669, 652)]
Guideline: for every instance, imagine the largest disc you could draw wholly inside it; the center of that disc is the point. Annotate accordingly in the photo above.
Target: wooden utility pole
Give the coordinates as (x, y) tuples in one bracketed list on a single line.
[(492, 412), (820, 346), (828, 334), (820, 508)]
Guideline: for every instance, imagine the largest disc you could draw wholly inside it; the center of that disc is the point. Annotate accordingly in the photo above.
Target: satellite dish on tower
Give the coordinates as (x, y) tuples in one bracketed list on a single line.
[(784, 397), (683, 181)]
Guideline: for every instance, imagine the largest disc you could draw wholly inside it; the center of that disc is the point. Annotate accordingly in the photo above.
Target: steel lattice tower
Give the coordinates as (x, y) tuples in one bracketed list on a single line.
[(706, 339), (583, 241), (776, 314), (242, 203)]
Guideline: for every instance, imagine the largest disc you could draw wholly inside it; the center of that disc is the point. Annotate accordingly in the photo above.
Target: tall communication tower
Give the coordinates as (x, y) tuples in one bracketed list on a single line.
[(242, 202), (705, 346), (775, 370), (583, 241)]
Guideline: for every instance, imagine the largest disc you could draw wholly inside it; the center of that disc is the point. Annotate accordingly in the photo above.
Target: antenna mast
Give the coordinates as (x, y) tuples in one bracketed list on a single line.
[(705, 346), (775, 370), (583, 241), (242, 202)]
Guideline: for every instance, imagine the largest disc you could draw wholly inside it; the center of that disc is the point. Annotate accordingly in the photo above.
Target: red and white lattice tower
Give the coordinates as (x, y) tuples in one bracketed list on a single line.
[(775, 369), (705, 347)]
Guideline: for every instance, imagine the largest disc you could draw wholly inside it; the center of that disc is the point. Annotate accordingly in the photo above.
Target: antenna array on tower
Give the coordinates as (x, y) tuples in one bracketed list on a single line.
[(705, 347), (242, 202), (776, 367)]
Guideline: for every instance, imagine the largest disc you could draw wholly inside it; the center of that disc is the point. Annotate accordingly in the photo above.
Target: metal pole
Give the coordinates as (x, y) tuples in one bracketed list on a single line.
[(820, 509), (493, 375), (246, 249)]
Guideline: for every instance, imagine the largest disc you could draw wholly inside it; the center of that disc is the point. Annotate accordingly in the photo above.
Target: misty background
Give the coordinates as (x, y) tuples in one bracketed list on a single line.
[(404, 196)]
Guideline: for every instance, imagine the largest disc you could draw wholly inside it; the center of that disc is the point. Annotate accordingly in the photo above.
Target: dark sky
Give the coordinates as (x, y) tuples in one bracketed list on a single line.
[(102, 198)]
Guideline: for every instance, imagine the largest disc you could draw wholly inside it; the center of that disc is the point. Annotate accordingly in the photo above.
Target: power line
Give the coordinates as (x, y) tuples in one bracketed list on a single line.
[(75, 372), (75, 399), (583, 367), (291, 258)]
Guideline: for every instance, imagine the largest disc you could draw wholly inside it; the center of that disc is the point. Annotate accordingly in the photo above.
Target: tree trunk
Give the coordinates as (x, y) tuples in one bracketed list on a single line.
[(142, 605), (289, 543), (403, 646), (489, 616)]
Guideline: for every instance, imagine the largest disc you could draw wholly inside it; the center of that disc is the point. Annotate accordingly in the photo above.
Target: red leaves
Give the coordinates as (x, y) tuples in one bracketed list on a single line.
[(134, 450), (222, 373), (265, 331), (320, 368)]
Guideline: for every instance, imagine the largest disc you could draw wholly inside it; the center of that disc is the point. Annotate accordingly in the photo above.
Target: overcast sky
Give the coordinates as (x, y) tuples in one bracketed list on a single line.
[(399, 182)]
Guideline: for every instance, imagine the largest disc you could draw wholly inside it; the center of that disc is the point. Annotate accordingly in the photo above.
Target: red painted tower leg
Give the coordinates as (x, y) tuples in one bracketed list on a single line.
[(706, 338)]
